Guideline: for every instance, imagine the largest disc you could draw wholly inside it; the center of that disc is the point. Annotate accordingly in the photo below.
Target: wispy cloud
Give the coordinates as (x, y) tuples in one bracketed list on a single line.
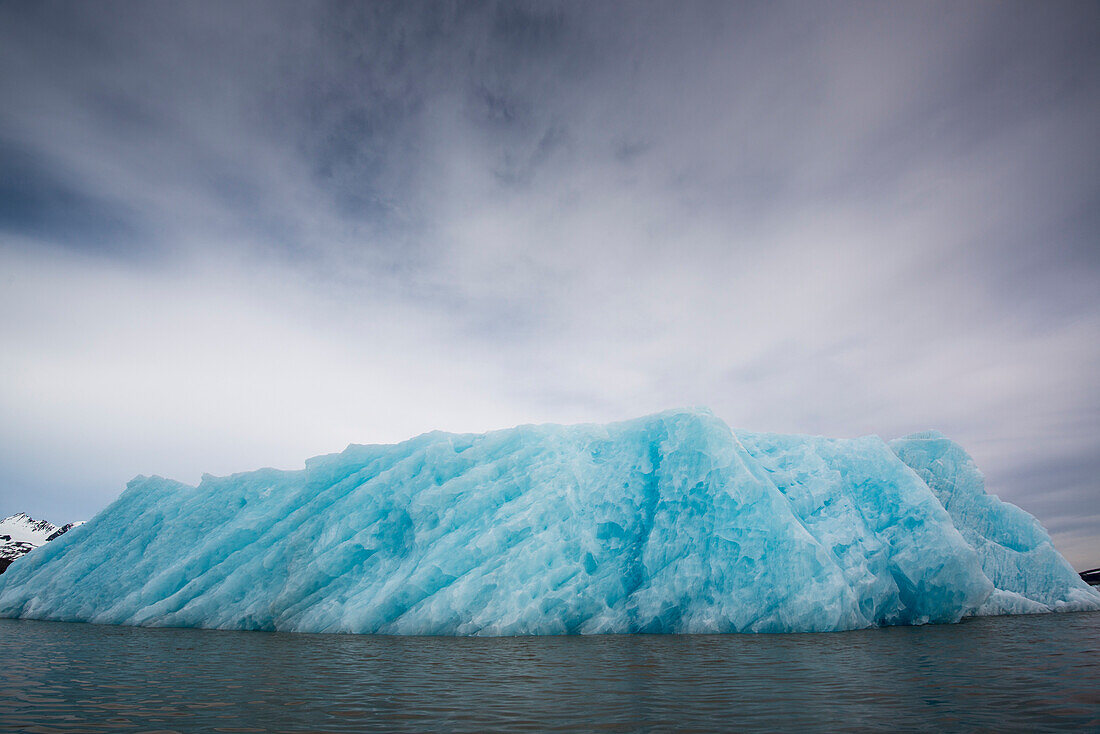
[(234, 235)]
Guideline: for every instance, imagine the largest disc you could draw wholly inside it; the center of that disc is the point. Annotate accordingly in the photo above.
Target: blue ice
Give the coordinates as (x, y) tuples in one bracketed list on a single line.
[(668, 523)]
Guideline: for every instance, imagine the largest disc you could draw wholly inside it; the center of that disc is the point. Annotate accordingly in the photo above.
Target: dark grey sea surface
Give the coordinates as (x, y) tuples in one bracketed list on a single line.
[(1030, 673)]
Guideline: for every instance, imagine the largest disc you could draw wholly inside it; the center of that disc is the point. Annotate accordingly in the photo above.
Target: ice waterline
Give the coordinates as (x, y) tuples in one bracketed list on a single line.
[(668, 523)]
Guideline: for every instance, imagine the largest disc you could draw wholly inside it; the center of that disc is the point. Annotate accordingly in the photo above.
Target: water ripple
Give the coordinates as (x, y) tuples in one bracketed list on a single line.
[(1038, 673)]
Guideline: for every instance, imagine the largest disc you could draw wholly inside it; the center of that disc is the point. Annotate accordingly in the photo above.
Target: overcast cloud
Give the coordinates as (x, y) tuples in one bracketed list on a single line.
[(241, 234)]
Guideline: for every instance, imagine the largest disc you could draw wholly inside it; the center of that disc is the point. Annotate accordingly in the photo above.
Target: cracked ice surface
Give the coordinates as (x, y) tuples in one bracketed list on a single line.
[(668, 523)]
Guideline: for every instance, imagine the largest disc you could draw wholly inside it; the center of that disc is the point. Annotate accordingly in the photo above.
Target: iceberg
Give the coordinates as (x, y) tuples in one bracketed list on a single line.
[(672, 523), (1016, 554)]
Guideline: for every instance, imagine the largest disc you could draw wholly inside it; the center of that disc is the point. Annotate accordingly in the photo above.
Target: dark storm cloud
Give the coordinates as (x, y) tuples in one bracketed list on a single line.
[(36, 205), (308, 223)]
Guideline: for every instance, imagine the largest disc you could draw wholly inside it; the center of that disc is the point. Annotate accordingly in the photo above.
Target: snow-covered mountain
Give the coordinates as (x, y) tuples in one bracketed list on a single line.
[(21, 533)]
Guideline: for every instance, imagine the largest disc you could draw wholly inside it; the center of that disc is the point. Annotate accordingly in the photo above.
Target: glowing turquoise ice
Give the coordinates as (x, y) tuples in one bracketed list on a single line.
[(669, 523), (1016, 553)]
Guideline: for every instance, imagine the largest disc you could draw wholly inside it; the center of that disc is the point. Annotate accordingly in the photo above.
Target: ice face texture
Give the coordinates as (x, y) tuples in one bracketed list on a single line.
[(669, 523), (1017, 555)]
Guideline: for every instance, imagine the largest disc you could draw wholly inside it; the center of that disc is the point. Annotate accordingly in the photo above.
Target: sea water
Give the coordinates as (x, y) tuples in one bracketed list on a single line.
[(1023, 673)]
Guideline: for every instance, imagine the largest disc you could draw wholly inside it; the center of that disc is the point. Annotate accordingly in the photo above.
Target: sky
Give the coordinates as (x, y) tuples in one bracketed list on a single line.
[(238, 234)]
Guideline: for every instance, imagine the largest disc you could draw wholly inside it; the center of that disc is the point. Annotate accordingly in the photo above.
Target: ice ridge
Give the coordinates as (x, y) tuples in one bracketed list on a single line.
[(668, 523)]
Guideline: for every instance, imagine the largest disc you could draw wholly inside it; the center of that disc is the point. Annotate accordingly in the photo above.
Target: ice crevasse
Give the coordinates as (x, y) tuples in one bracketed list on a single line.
[(668, 523)]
